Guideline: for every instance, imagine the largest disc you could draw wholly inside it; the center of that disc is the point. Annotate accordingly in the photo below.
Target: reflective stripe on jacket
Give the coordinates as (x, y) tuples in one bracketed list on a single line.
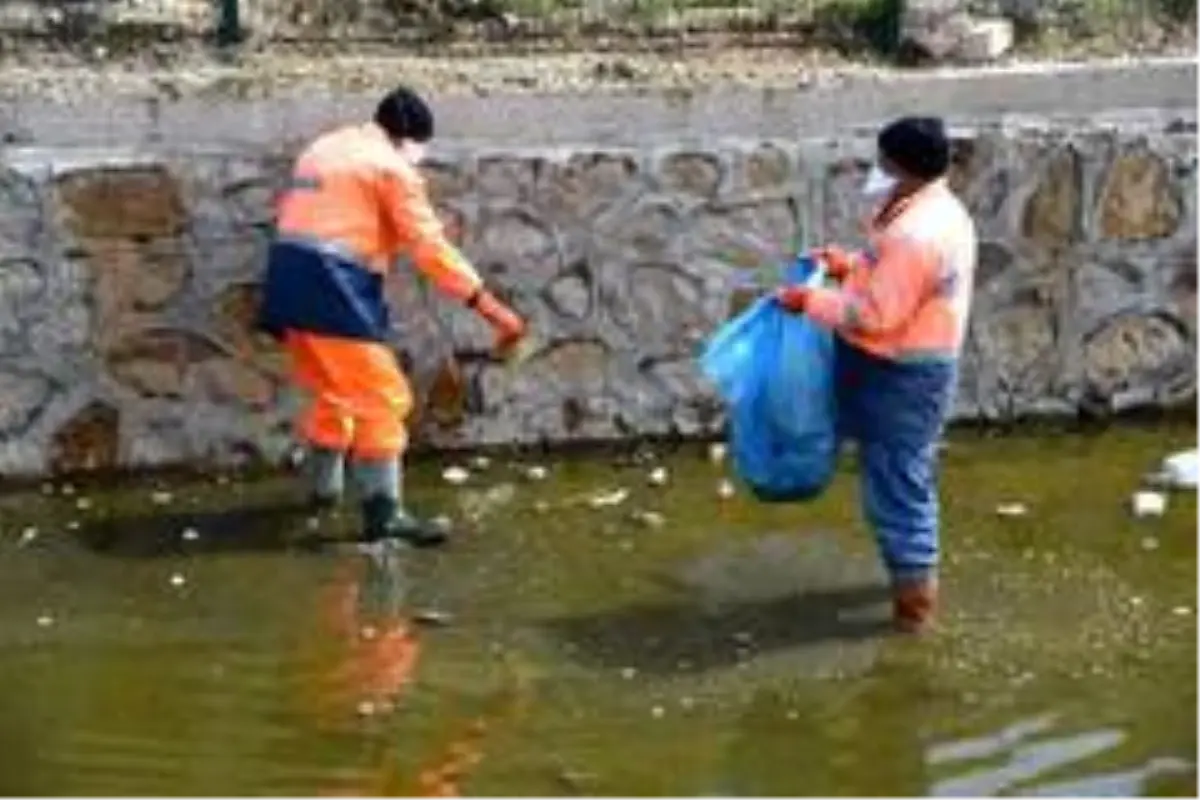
[(352, 207)]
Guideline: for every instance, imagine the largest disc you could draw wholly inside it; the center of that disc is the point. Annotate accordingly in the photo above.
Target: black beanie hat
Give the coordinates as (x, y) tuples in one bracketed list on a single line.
[(918, 145), (404, 115)]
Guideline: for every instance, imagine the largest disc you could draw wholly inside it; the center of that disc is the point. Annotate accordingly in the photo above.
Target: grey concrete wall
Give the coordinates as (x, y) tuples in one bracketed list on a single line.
[(127, 273)]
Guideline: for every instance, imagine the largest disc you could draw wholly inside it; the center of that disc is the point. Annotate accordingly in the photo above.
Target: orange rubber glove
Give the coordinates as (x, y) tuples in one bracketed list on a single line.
[(793, 298), (509, 327), (837, 260)]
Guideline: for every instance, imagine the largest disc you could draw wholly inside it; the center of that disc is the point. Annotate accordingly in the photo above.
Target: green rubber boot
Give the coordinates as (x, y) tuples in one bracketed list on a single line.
[(384, 516)]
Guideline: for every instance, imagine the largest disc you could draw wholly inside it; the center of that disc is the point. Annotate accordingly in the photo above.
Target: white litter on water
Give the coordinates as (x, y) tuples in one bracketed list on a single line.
[(45, 621), (651, 519), (27, 536), (161, 498), (717, 452), (536, 473), (480, 463), (725, 490), (455, 476), (190, 534), (178, 580), (1180, 471), (1149, 504), (658, 476), (1012, 510), (608, 499)]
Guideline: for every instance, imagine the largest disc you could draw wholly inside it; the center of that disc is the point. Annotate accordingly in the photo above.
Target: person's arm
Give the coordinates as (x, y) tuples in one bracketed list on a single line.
[(898, 284), (420, 233)]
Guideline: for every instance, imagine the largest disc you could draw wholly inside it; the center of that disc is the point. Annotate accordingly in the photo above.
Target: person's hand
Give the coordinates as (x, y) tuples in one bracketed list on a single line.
[(837, 260), (793, 298), (508, 326)]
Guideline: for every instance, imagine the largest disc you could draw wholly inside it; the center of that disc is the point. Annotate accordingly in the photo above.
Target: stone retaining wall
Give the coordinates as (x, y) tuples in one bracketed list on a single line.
[(127, 280)]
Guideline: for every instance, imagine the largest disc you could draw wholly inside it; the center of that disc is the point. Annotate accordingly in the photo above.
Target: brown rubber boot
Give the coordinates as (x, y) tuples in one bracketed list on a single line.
[(914, 604)]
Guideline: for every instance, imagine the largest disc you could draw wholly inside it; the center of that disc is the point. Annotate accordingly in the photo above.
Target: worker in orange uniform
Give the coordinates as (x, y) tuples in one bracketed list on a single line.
[(900, 317), (355, 203)]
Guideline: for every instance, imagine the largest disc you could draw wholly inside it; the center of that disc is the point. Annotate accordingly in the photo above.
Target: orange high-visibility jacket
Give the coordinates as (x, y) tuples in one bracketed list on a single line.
[(909, 295), (352, 207)]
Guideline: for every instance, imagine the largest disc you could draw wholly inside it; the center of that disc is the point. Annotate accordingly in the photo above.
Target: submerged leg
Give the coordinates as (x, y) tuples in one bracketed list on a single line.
[(899, 491), (326, 472)]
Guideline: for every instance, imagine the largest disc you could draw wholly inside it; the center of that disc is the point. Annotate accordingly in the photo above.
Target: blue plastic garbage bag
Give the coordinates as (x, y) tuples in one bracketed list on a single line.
[(774, 370)]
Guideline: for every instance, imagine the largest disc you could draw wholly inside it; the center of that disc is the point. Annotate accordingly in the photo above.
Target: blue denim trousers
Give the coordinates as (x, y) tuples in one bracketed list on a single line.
[(896, 412)]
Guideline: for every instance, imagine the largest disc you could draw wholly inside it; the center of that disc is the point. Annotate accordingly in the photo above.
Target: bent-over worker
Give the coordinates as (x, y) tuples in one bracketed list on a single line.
[(355, 203)]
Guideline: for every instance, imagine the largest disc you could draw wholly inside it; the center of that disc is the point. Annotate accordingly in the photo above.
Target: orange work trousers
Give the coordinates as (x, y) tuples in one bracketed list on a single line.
[(359, 400)]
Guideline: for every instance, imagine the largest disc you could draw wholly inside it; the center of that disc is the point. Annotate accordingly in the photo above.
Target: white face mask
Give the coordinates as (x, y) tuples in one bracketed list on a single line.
[(878, 184), (413, 152)]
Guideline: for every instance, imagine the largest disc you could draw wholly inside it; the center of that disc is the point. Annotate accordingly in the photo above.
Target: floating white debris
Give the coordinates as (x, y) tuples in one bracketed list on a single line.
[(687, 703), (651, 519), (480, 463), (73, 525), (658, 476), (190, 534), (1149, 504), (536, 473), (45, 621), (717, 452), (442, 522), (161, 498), (27, 536), (366, 708), (1181, 611), (658, 712), (68, 490), (433, 616), (725, 489), (1149, 543), (1180, 471), (455, 476), (541, 506), (83, 503), (178, 580), (1012, 510), (628, 673), (608, 499)]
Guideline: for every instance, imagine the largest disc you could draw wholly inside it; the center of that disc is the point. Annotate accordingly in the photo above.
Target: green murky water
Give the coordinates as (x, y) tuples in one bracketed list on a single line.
[(168, 640)]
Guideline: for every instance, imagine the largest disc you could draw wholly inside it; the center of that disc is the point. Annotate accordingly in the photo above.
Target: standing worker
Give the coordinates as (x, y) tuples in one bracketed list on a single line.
[(355, 203), (900, 317)]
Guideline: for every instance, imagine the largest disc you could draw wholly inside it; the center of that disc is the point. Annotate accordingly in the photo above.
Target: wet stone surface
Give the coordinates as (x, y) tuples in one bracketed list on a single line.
[(189, 637)]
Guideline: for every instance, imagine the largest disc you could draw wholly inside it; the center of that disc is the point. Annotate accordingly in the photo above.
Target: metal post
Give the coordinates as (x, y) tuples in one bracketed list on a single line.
[(229, 23)]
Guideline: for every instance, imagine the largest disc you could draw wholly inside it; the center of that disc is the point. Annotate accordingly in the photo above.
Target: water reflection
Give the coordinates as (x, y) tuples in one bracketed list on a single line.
[(370, 645), (1024, 762), (371, 648)]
